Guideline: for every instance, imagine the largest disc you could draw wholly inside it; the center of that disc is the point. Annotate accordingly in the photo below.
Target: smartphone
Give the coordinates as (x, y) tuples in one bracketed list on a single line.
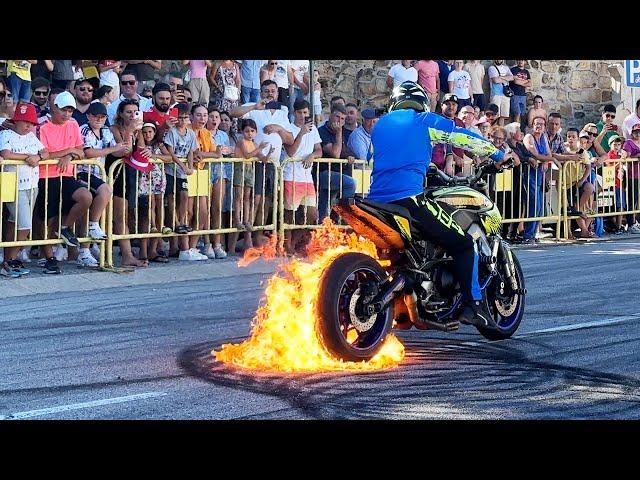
[(173, 113), (273, 105), (308, 119), (180, 88), (137, 114)]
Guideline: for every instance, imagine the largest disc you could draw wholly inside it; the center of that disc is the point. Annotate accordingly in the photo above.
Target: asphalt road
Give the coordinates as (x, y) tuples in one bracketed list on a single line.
[(143, 352)]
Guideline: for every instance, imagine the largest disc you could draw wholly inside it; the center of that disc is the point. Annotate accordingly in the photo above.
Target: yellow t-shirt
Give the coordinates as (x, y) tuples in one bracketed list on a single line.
[(21, 68)]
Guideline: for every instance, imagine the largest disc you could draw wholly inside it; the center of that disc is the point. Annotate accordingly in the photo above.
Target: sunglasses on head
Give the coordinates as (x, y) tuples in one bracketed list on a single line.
[(127, 82)]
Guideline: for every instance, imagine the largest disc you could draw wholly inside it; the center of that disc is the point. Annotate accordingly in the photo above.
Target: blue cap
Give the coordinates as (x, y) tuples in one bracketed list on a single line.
[(368, 113)]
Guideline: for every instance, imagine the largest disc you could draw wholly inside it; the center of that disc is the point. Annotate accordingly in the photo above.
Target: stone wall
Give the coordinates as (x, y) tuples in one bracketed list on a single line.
[(576, 88)]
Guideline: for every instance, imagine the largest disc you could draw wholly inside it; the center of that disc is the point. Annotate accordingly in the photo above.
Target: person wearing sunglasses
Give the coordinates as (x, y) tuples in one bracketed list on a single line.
[(129, 91), (83, 93), (606, 124)]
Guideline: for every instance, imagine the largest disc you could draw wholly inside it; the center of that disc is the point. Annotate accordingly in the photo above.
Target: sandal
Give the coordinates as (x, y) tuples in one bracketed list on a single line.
[(159, 259)]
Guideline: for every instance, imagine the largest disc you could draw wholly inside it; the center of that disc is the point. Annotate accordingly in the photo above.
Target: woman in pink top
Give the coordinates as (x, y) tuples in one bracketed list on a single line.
[(198, 80)]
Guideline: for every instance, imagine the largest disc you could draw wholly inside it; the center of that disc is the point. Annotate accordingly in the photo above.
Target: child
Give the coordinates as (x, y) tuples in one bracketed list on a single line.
[(317, 104), (243, 181), (181, 143), (616, 153), (21, 144), (151, 191)]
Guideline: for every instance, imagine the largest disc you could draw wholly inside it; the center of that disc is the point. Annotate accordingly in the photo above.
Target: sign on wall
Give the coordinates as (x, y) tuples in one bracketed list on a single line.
[(632, 73)]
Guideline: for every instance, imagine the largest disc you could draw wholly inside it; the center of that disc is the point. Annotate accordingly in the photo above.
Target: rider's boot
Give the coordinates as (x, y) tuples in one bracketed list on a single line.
[(476, 313)]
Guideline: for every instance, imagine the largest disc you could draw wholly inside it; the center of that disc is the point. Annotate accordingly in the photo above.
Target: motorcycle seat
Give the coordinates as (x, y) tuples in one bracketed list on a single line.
[(388, 207)]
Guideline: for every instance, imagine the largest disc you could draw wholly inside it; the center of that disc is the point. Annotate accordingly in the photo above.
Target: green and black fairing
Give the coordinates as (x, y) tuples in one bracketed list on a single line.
[(467, 206)]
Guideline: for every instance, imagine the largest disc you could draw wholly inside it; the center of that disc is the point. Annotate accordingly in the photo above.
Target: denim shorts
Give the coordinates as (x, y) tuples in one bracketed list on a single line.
[(519, 105)]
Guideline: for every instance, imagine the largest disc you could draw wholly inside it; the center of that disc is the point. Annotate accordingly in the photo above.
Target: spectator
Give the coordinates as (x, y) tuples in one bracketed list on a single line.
[(62, 74), (250, 80), (225, 79), (21, 144), (98, 142), (491, 114), (444, 155), (105, 95), (42, 69), (147, 92), (207, 148), (7, 107), (460, 84), (126, 129), (244, 180), (520, 83), (533, 175), (279, 72), (467, 115), (445, 67), (268, 72), (351, 122), (617, 153), (574, 174), (476, 71), (151, 189), (181, 142), (401, 72), (176, 88), (632, 147), (500, 76), (484, 125), (19, 79), (606, 123), (587, 183), (317, 94), (41, 88), (221, 174), (299, 70), (515, 136), (336, 178), (337, 100), (227, 126), (299, 190), (198, 83), (109, 71), (159, 114), (129, 89), (274, 129), (145, 72), (630, 120), (360, 140), (429, 79), (536, 111), (83, 93), (61, 137)]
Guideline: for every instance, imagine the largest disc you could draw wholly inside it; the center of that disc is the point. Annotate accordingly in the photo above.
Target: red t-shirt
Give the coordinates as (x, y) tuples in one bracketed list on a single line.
[(56, 138), (614, 156), (156, 117)]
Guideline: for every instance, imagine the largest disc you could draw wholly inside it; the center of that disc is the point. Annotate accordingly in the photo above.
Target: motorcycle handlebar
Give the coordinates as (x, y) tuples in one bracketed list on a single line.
[(483, 169)]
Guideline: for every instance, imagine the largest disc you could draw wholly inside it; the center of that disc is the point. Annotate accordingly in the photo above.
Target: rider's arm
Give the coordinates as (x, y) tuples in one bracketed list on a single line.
[(467, 140)]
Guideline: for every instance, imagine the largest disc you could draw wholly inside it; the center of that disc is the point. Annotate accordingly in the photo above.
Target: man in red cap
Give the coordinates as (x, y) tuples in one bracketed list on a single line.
[(21, 144)]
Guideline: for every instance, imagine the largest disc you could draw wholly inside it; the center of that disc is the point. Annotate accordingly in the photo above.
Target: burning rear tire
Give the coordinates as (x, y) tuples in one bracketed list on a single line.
[(344, 334)]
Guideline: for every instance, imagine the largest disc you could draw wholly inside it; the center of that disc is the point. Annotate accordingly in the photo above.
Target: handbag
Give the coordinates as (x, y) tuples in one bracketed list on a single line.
[(231, 92), (507, 91)]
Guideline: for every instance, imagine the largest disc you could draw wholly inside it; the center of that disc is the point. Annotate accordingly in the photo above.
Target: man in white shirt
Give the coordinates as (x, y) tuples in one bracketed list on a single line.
[(273, 128), (129, 89), (401, 72)]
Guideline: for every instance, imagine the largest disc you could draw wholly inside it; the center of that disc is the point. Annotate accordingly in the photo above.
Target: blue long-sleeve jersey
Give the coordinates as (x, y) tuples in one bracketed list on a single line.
[(402, 145)]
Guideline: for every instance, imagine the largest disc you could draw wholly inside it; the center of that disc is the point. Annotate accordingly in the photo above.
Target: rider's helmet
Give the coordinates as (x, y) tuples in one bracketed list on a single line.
[(409, 95)]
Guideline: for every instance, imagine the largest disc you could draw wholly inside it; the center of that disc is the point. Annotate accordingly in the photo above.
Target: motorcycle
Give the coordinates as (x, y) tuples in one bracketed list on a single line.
[(359, 300)]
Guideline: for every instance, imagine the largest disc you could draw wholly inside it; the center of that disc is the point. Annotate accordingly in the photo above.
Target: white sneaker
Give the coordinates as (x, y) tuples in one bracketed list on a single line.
[(23, 256), (208, 251), (219, 251), (85, 259), (191, 255), (60, 253), (540, 235), (635, 228), (96, 232), (95, 251)]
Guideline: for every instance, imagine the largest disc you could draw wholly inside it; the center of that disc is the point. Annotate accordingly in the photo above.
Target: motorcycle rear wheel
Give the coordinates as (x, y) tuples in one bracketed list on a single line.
[(339, 283)]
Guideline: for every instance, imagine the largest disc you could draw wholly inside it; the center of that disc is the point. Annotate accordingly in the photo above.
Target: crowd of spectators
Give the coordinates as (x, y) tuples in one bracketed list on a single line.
[(126, 110)]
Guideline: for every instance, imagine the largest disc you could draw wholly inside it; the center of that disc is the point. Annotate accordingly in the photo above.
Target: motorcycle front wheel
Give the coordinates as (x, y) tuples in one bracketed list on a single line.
[(344, 334), (507, 309)]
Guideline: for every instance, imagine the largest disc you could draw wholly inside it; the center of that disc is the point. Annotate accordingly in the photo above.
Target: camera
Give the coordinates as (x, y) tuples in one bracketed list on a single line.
[(308, 119)]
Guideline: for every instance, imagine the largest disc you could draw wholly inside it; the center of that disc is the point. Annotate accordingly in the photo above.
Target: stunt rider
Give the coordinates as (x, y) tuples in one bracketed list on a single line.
[(402, 145)]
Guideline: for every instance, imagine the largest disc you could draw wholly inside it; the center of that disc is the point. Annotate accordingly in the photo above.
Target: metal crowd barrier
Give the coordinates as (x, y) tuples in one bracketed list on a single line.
[(309, 211), (616, 189), (9, 193), (199, 184)]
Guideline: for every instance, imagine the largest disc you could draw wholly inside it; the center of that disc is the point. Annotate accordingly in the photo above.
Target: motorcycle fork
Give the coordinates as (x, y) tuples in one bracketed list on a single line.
[(509, 266)]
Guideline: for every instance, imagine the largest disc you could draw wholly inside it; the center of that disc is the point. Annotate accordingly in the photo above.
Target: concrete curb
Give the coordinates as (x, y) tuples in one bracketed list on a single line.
[(174, 272)]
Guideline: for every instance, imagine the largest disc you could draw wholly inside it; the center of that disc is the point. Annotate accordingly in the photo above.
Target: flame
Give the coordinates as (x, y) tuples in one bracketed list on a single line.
[(283, 336)]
